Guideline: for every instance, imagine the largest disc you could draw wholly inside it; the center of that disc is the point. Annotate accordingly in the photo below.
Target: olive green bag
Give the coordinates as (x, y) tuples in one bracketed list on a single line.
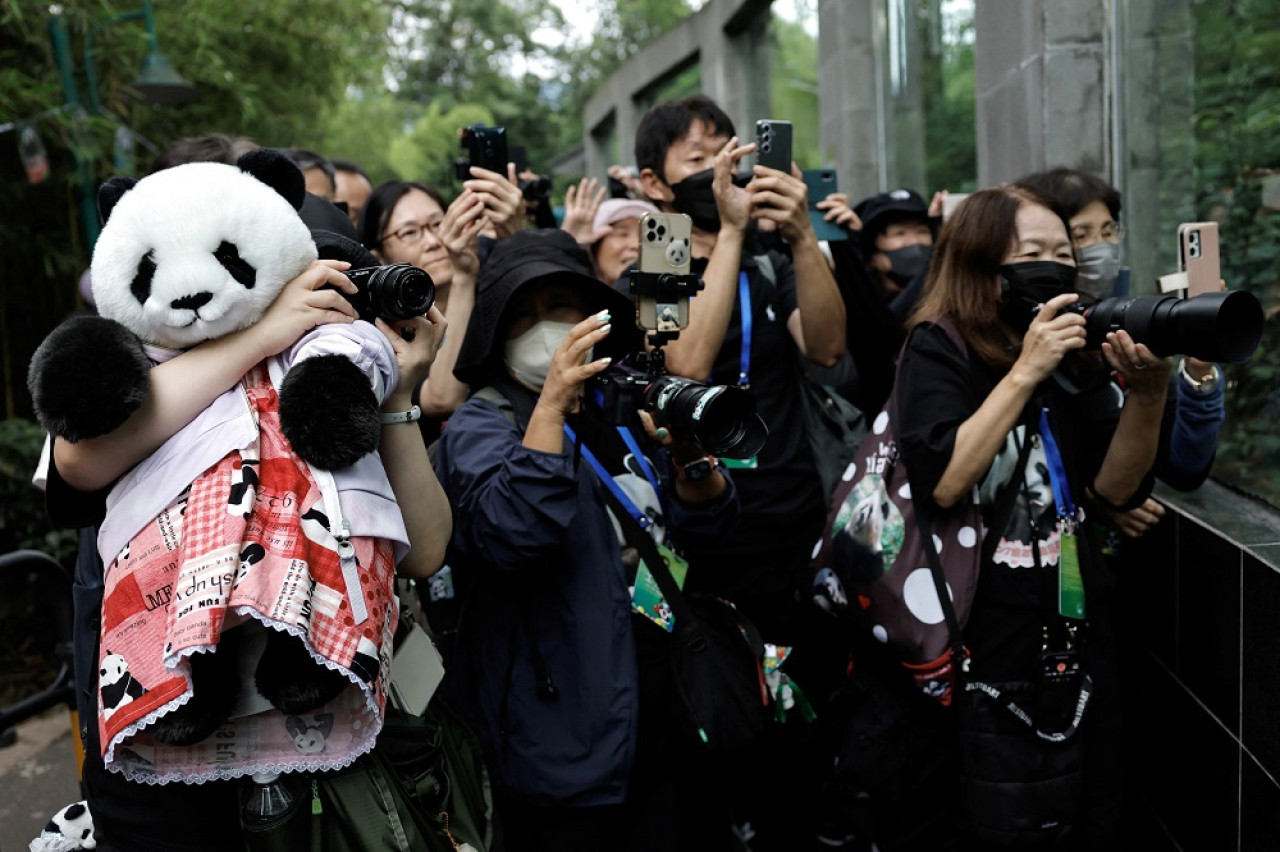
[(423, 788)]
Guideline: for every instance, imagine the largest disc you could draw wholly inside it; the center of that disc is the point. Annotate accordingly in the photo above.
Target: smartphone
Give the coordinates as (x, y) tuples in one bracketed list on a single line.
[(664, 248), (1198, 257), (773, 144), (518, 156), (821, 183), (486, 147)]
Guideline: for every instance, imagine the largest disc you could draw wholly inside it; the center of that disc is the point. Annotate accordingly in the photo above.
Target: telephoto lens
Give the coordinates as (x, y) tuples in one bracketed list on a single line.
[(395, 292), (1224, 327), (720, 419)]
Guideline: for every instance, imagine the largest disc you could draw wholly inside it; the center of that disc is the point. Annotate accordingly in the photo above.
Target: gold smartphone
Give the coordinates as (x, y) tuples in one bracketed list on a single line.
[(664, 249)]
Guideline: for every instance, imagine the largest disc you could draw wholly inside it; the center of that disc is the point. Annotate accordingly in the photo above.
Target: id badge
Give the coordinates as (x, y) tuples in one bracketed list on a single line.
[(741, 464), (648, 600), (1070, 583)]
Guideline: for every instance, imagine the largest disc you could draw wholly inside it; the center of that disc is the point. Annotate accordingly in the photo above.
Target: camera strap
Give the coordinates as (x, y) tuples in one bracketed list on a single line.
[(607, 480), (1070, 581), (745, 312)]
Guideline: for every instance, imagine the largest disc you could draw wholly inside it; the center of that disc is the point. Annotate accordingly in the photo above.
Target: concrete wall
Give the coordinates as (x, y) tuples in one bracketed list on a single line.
[(726, 38), (1042, 69)]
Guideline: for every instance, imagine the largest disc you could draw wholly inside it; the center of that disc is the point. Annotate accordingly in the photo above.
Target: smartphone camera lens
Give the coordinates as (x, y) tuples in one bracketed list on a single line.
[(662, 230)]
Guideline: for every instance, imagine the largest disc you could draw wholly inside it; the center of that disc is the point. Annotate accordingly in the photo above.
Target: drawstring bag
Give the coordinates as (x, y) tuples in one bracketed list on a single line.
[(902, 573)]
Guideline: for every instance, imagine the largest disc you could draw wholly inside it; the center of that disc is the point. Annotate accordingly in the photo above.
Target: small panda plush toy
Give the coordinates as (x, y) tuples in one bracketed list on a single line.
[(250, 559)]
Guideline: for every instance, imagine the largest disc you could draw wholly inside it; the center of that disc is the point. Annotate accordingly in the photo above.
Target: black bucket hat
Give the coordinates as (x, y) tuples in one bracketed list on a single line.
[(524, 258)]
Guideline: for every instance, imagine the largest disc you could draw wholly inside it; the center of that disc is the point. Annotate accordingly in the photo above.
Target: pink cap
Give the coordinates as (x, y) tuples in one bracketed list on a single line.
[(616, 209)]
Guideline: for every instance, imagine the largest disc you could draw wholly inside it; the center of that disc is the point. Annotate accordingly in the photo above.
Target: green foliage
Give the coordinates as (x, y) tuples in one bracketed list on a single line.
[(24, 523), (1236, 118), (428, 150), (951, 156)]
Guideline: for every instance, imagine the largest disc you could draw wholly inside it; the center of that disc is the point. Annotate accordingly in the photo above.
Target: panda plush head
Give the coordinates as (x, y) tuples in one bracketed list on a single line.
[(200, 250)]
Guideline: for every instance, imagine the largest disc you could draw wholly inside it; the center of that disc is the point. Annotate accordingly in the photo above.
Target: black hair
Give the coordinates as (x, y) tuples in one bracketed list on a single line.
[(209, 148), (1073, 190), (350, 166), (667, 122), (305, 158), (383, 200)]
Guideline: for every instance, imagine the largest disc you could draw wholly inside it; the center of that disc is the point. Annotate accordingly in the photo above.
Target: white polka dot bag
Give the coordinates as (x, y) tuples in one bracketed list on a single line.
[(872, 564)]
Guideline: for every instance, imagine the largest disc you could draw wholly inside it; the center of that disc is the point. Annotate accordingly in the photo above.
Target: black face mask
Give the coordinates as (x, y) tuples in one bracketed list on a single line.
[(1024, 287), (696, 199), (908, 263)]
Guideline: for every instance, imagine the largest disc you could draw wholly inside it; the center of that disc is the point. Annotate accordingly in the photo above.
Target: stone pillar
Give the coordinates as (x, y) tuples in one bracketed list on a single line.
[(848, 75), (729, 40), (1042, 87), (870, 94)]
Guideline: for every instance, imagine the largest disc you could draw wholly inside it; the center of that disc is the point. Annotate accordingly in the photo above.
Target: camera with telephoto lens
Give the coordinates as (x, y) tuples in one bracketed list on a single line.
[(1224, 327), (396, 292), (720, 419)]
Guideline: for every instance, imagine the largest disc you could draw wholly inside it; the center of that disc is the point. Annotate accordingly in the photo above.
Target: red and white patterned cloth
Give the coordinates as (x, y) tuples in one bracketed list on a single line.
[(249, 542)]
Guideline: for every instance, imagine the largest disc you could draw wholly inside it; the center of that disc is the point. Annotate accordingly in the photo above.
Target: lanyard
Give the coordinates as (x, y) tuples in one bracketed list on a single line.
[(609, 482), (1057, 471), (744, 309)]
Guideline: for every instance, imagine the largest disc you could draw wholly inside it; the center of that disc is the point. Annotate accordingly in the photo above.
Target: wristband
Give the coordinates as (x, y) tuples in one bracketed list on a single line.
[(696, 470), (1204, 385), (401, 416)]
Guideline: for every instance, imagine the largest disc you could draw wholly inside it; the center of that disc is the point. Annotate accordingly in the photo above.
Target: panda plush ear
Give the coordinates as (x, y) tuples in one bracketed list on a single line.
[(276, 171), (111, 192)]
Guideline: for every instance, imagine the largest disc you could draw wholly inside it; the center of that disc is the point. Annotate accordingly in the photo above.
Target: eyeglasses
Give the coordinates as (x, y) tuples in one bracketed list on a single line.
[(1109, 231), (413, 232)]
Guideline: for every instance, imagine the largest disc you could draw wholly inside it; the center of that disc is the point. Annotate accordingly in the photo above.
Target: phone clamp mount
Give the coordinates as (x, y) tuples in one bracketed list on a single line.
[(667, 290)]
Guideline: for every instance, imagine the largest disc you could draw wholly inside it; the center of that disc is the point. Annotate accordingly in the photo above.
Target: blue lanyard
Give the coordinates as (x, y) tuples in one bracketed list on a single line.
[(609, 482), (744, 309), (1057, 471)]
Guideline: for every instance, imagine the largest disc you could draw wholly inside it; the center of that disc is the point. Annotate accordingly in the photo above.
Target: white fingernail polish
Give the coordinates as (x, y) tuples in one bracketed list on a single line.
[(603, 316)]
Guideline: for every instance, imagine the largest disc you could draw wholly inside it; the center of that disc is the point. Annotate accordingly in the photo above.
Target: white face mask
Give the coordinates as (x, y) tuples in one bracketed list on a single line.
[(528, 357), (1097, 267)]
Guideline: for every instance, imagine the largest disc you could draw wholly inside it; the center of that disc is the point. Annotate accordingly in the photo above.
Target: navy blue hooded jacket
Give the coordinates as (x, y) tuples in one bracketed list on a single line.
[(539, 567)]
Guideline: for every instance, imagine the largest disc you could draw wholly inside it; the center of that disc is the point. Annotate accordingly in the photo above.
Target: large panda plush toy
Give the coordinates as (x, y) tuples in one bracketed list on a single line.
[(250, 559)]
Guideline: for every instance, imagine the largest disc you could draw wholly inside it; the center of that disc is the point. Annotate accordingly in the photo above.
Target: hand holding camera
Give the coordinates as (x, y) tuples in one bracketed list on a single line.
[(1146, 375), (1053, 333), (462, 223), (503, 201)]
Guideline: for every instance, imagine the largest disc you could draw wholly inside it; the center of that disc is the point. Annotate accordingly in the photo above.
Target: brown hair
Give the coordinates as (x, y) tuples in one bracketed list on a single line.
[(961, 284)]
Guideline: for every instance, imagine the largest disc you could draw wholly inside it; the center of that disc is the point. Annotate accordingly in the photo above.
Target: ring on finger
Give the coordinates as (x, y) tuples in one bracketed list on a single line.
[(1140, 365)]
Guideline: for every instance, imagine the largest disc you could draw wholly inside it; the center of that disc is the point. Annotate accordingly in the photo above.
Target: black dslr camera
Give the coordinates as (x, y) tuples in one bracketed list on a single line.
[(536, 188), (396, 292), (720, 419), (1225, 327)]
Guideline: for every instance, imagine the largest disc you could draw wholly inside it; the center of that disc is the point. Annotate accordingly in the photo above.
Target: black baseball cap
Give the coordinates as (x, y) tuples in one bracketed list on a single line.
[(879, 211)]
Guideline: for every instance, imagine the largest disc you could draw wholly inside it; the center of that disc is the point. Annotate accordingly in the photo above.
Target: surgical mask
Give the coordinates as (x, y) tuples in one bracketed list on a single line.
[(1024, 287), (1097, 268), (694, 197), (908, 263), (528, 357)]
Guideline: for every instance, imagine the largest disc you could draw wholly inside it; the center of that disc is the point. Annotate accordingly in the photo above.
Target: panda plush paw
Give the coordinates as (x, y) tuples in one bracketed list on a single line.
[(328, 412), (70, 829), (215, 684), (290, 679), (87, 377)]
